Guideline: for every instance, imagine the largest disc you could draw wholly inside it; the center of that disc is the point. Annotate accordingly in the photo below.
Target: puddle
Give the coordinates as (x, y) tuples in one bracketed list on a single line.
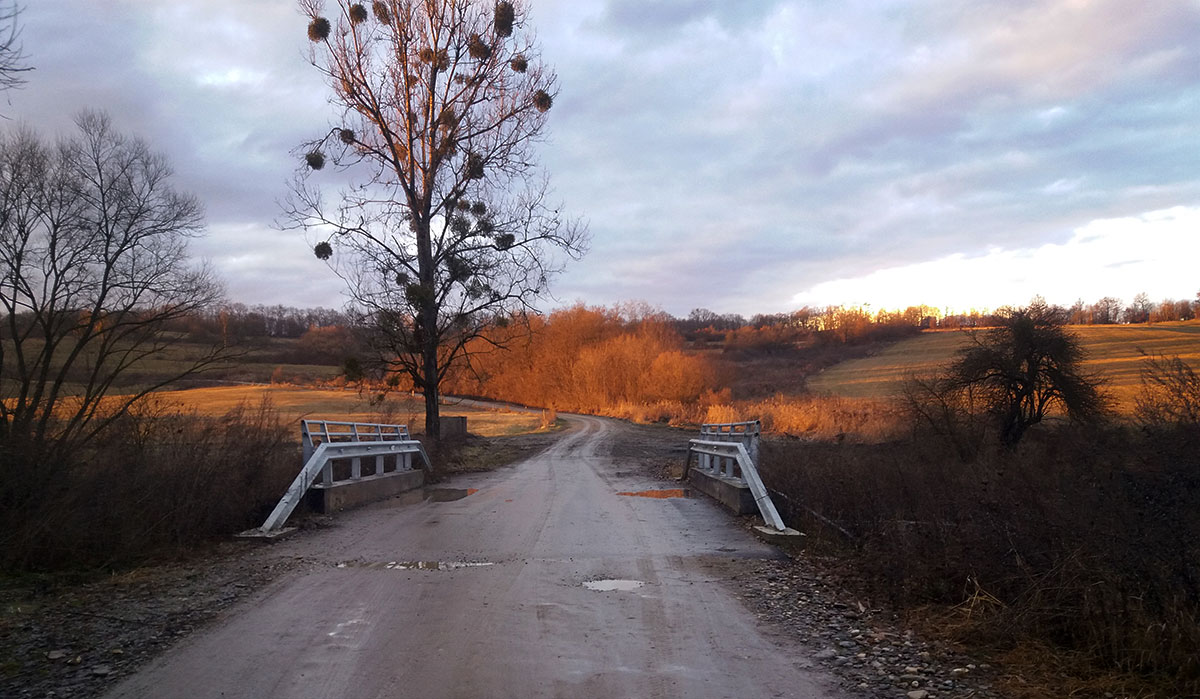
[(415, 565), (658, 494), (613, 585), (448, 494)]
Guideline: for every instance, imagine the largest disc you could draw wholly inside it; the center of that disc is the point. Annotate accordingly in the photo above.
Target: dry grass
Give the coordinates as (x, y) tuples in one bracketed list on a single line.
[(1113, 351), (1079, 539), (294, 403)]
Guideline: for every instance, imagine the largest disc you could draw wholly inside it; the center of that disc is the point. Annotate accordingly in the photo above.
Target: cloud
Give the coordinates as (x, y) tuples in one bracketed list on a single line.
[(726, 155), (1153, 253)]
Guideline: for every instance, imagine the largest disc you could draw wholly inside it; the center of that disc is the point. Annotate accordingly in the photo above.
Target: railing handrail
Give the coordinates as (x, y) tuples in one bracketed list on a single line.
[(312, 431)]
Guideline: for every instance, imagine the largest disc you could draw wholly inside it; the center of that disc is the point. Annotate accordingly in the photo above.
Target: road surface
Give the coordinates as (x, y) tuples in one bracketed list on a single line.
[(485, 596)]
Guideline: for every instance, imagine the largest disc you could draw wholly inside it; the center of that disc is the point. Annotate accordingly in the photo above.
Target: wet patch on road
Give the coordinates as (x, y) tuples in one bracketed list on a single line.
[(613, 585), (658, 494), (415, 565), (448, 494)]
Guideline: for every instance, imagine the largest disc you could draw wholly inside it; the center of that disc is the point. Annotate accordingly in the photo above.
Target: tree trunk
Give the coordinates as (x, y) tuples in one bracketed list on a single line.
[(433, 419), (428, 320)]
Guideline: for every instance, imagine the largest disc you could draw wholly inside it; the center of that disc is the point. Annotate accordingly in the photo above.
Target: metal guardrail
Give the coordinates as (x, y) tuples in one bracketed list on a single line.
[(314, 432), (745, 433), (730, 450), (319, 459)]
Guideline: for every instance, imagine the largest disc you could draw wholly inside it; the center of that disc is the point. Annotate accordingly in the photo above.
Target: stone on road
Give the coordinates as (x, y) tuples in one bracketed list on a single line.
[(485, 596)]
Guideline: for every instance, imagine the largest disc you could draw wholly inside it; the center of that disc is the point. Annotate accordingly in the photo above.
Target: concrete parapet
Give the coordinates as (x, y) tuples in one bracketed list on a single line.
[(344, 494), (730, 492)]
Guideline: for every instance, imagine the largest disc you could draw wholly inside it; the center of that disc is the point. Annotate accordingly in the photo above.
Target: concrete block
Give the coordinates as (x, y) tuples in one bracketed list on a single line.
[(730, 492), (453, 426), (344, 494)]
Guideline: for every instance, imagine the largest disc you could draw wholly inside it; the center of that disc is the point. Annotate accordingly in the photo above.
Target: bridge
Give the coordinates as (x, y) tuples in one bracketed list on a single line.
[(546, 579)]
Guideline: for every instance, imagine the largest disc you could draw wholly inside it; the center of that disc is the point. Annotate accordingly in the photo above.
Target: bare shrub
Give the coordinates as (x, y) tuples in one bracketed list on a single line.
[(1170, 393), (1081, 538), (936, 407), (155, 481)]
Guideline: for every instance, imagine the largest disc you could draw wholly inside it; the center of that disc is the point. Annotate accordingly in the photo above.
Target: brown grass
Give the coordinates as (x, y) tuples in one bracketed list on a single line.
[(1082, 540), (157, 481)]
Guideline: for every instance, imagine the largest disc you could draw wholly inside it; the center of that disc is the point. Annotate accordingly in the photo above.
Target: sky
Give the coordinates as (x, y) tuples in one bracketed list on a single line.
[(745, 157)]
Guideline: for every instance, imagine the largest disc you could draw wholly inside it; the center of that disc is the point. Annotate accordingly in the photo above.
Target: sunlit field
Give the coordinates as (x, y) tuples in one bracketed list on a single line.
[(1115, 351), (295, 403)]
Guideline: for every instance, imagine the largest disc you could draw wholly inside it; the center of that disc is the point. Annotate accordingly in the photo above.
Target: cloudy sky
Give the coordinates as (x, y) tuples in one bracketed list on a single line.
[(741, 156)]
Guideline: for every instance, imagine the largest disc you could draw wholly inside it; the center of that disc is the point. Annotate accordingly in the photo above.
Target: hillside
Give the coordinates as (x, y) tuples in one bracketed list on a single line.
[(1113, 350)]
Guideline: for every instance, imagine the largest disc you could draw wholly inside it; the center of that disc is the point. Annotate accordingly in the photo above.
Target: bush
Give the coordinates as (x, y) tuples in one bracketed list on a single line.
[(1170, 394), (1082, 538), (154, 482), (1025, 367)]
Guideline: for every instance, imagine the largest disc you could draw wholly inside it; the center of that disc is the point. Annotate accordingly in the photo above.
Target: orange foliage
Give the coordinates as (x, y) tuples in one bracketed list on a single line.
[(589, 360), (602, 361)]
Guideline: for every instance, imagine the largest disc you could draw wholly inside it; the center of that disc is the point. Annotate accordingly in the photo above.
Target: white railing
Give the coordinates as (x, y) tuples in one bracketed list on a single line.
[(745, 433), (360, 440), (314, 432), (730, 450)]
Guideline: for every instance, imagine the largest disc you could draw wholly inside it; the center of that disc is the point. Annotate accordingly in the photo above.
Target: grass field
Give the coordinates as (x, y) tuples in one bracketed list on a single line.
[(1113, 350), (294, 403)]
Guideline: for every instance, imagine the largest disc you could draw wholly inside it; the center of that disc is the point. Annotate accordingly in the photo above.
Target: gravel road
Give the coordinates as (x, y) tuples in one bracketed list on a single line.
[(450, 592), (504, 588)]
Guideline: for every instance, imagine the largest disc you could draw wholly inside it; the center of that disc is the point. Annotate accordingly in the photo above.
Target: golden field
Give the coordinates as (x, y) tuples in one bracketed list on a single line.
[(295, 403), (1115, 351)]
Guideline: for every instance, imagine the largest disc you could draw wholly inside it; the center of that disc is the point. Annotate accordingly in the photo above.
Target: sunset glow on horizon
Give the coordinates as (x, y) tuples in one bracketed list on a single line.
[(1156, 254)]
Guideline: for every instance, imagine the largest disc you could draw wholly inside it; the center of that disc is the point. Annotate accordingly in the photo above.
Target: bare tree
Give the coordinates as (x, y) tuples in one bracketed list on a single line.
[(93, 265), (1106, 311), (1139, 311), (445, 225), (1024, 367), (12, 55)]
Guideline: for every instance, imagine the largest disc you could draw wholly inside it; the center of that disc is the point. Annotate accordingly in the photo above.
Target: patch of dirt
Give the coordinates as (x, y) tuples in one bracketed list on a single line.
[(475, 453), (654, 449)]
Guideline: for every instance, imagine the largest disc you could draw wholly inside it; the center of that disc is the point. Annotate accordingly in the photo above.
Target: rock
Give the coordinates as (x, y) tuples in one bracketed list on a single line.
[(918, 694), (101, 670), (826, 654), (959, 672), (56, 655)]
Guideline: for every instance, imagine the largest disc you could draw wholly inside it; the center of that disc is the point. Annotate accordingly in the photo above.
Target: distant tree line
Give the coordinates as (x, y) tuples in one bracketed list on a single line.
[(853, 324), (237, 322)]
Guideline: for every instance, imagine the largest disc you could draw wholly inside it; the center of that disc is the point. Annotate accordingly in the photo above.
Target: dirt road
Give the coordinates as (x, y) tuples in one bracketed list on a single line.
[(485, 596)]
